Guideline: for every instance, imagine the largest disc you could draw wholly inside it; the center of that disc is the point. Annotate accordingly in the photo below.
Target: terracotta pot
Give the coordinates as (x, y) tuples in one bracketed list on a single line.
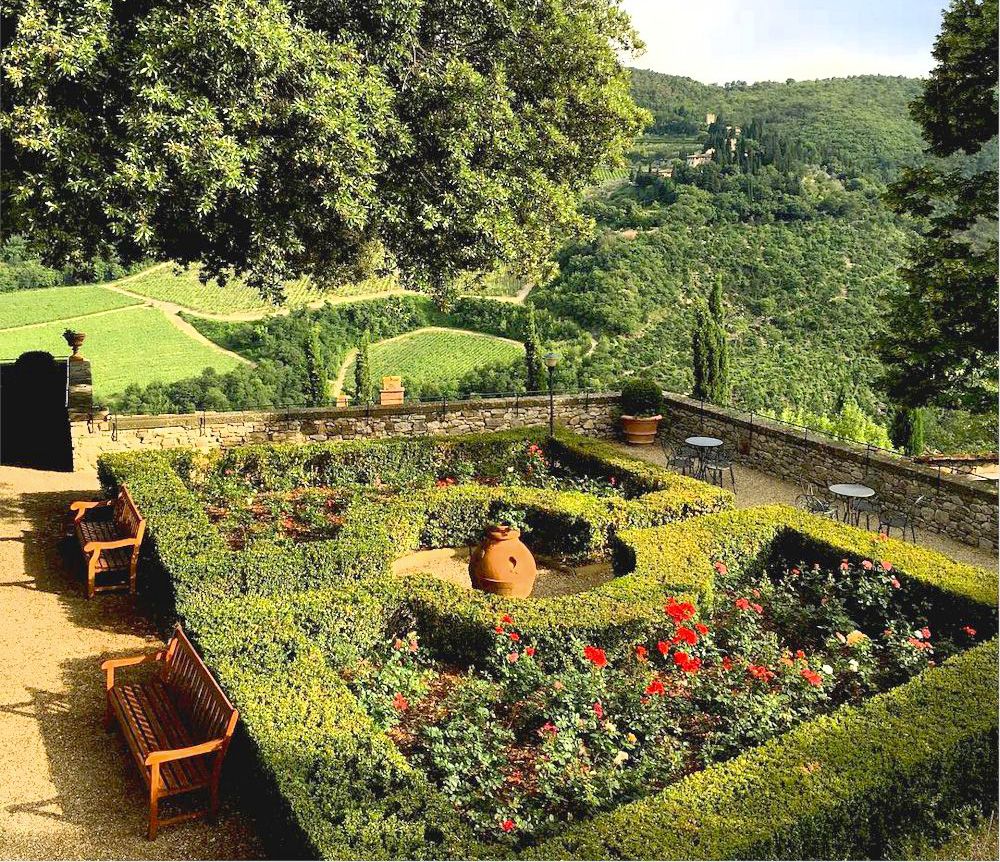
[(502, 564), (641, 430), (75, 341)]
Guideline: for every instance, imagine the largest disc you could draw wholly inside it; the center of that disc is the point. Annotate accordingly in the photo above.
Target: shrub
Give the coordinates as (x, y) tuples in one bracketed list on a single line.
[(641, 397), (835, 786)]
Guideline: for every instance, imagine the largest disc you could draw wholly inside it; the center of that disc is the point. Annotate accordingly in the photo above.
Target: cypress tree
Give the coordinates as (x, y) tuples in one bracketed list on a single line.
[(907, 431), (710, 350), (532, 354), (315, 370), (363, 370)]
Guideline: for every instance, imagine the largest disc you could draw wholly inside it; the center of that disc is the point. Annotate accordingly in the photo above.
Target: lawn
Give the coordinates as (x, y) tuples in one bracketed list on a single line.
[(186, 290), (134, 345), (438, 356), (23, 307)]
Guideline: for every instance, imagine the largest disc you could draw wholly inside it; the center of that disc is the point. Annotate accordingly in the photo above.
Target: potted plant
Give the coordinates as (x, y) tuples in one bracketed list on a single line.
[(642, 400), (502, 563), (75, 341)]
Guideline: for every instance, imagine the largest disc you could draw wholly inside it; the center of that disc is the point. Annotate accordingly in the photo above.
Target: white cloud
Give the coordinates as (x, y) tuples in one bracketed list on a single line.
[(724, 40)]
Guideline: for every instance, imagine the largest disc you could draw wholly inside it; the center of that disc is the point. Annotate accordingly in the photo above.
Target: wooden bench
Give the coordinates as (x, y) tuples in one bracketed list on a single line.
[(177, 725), (109, 533)]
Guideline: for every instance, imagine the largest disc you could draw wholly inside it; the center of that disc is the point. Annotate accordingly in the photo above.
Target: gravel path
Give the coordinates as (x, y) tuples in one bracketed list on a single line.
[(758, 489), (68, 789)]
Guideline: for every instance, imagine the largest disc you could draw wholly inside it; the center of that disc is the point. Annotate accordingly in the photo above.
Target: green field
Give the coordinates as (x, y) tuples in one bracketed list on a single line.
[(133, 345), (23, 307), (437, 356), (183, 288)]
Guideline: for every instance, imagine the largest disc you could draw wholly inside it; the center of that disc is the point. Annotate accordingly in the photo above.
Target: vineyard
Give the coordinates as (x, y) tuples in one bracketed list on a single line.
[(437, 356), (132, 345), (25, 307)]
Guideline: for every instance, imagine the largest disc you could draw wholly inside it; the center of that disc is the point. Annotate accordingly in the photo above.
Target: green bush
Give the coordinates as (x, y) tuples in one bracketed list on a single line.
[(641, 396), (277, 623)]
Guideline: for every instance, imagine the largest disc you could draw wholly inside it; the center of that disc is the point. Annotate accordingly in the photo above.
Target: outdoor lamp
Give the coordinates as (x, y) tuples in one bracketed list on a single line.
[(551, 360)]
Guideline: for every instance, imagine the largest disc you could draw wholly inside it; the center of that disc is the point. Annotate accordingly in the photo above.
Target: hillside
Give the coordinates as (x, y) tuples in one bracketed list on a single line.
[(858, 124)]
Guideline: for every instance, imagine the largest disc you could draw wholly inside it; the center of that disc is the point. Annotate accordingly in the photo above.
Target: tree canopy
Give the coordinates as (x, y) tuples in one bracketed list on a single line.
[(941, 346), (280, 138)]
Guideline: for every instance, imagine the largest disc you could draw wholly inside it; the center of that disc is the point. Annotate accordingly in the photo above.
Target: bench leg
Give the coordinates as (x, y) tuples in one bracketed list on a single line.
[(92, 573), (154, 801)]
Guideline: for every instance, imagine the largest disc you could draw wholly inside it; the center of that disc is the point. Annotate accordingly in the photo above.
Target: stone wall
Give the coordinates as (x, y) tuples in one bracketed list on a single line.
[(955, 505), (595, 415)]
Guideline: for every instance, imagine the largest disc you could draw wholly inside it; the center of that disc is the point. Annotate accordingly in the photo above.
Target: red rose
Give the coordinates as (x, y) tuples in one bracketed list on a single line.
[(663, 647), (641, 653), (702, 628), (498, 629), (867, 565), (508, 825), (969, 630), (895, 584), (811, 676), (800, 653), (727, 663), (655, 687), (598, 709), (529, 651), (926, 632), (720, 567), (686, 636), (507, 618), (400, 703), (886, 566), (595, 656), (512, 657), (757, 608), (514, 636), (742, 604)]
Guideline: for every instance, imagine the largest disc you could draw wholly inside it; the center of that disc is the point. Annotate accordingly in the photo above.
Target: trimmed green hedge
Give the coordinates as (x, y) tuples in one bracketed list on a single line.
[(836, 787), (277, 625)]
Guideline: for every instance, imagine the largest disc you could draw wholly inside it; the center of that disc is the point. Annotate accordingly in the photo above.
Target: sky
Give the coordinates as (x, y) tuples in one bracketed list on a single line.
[(715, 41)]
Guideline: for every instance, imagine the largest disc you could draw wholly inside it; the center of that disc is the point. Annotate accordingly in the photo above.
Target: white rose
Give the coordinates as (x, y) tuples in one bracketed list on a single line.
[(853, 665), (620, 758), (827, 669)]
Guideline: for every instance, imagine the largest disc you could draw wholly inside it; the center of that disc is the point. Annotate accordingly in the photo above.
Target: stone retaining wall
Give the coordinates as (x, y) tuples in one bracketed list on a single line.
[(595, 415), (955, 505)]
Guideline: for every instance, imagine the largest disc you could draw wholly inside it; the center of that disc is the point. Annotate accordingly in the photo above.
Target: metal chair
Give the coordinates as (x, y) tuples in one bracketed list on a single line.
[(715, 464), (902, 519), (680, 457), (812, 500), (866, 506)]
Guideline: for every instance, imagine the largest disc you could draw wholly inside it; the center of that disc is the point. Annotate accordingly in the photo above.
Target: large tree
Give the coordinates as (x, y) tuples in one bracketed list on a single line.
[(942, 342), (278, 138)]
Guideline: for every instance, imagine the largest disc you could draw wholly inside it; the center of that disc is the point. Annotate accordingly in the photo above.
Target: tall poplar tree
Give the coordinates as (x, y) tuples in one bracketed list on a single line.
[(710, 349), (532, 354), (363, 388)]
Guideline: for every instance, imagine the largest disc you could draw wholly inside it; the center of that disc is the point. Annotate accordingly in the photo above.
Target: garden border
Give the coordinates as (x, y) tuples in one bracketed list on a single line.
[(318, 748)]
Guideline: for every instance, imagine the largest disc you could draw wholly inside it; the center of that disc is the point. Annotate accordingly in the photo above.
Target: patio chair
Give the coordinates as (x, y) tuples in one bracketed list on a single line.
[(866, 506), (902, 519), (715, 464), (680, 457), (812, 500)]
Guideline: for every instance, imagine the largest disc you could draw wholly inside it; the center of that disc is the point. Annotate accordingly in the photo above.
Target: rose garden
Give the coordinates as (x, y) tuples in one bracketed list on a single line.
[(735, 684)]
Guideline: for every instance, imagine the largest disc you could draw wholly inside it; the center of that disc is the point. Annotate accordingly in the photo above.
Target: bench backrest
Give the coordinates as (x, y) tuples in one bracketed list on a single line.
[(197, 695), (126, 515)]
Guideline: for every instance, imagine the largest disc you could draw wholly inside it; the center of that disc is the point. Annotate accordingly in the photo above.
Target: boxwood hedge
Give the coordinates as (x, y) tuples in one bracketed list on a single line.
[(277, 625)]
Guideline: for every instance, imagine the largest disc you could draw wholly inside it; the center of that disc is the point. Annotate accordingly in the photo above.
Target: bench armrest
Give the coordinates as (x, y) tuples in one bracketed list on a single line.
[(156, 757), (80, 507), (109, 666), (90, 547)]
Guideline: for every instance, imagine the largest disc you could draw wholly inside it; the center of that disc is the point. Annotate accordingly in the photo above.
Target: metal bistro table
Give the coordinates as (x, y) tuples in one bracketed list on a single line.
[(851, 491), (702, 444)]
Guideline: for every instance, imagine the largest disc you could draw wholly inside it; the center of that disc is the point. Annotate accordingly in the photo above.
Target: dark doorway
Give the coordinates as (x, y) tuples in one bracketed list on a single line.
[(34, 424)]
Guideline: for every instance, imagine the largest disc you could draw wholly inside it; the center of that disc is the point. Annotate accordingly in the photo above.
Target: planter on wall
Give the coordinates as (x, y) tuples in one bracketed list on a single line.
[(641, 430), (502, 564)]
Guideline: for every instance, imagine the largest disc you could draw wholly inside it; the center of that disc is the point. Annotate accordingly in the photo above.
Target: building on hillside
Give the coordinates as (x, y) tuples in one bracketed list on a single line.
[(695, 160), (662, 170), (709, 119)]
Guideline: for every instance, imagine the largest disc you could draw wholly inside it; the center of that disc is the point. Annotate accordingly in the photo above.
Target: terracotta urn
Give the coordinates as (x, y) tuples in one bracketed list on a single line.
[(75, 341), (502, 564), (641, 430)]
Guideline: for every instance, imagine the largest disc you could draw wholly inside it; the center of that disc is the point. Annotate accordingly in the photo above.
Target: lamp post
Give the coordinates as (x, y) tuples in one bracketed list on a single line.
[(551, 360)]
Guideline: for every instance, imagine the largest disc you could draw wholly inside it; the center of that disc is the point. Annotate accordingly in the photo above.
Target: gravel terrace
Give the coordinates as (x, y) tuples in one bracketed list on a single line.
[(69, 789)]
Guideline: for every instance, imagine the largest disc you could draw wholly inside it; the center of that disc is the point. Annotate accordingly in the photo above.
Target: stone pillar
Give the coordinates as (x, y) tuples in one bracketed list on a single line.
[(79, 390)]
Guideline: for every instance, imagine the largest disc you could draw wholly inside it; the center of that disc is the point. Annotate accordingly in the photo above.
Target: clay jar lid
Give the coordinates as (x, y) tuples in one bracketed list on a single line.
[(501, 533)]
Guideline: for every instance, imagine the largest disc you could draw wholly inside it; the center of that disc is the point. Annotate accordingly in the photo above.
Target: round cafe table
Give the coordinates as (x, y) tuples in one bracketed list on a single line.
[(851, 491), (702, 444)]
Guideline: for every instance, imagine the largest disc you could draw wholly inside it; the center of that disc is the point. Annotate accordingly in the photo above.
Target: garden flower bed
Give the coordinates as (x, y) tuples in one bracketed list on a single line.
[(719, 698)]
